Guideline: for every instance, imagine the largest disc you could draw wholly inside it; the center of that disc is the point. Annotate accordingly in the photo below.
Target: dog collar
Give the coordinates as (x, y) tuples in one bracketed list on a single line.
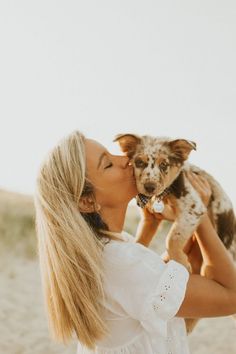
[(158, 204), (142, 200)]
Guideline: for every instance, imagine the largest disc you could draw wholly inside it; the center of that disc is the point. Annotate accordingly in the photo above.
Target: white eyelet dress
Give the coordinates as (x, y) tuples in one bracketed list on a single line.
[(143, 294)]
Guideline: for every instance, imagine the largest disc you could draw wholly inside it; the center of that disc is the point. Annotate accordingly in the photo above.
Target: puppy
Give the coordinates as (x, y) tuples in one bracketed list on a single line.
[(159, 165)]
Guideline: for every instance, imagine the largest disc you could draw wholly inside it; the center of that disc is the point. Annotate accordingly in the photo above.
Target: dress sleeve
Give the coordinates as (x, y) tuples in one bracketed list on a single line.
[(147, 288)]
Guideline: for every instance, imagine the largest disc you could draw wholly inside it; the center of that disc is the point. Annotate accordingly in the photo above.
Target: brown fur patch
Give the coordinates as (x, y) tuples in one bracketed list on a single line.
[(176, 160), (182, 148), (226, 227), (178, 187), (128, 143)]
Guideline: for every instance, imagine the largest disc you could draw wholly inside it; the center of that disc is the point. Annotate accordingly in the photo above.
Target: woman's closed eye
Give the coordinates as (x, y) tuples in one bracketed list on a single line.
[(109, 165)]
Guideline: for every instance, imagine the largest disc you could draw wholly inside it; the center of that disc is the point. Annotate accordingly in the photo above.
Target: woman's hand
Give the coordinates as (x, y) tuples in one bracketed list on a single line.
[(148, 215), (193, 252), (201, 185), (150, 221)]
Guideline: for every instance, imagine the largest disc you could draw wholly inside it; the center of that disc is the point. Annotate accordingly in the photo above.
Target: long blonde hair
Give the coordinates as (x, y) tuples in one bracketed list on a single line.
[(68, 246)]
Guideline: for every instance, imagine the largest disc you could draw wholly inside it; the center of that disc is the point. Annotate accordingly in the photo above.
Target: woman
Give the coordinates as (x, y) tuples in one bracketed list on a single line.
[(116, 295)]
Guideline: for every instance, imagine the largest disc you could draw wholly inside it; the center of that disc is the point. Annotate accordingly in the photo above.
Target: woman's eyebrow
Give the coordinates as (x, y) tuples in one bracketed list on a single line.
[(100, 159)]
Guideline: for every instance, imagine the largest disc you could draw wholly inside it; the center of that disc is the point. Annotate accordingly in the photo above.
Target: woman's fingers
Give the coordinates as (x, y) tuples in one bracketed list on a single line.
[(168, 213), (202, 182), (189, 244), (201, 185)]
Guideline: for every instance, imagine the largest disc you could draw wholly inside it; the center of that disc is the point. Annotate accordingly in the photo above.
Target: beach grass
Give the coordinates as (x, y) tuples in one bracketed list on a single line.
[(17, 224)]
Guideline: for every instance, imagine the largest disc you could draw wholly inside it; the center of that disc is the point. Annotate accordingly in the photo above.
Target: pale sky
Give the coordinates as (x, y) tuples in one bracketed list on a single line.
[(108, 67)]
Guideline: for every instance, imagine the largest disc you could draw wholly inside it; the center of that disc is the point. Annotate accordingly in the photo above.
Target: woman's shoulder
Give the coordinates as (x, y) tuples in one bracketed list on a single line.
[(129, 252), (146, 287), (136, 258)]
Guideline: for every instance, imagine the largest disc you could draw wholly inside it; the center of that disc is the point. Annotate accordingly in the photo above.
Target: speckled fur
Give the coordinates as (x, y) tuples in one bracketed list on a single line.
[(154, 151)]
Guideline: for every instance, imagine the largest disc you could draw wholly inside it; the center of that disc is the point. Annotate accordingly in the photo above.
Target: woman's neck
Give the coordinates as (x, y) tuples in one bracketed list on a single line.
[(114, 217)]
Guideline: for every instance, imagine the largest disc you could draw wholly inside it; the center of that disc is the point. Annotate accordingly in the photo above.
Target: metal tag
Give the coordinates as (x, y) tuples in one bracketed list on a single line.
[(158, 206)]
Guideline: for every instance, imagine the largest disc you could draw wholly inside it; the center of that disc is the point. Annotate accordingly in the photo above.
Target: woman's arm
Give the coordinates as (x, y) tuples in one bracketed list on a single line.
[(218, 264), (150, 222), (215, 296), (147, 227), (145, 232), (206, 298)]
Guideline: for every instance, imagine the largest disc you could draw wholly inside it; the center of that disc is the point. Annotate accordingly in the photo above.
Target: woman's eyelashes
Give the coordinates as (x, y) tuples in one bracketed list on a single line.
[(109, 165)]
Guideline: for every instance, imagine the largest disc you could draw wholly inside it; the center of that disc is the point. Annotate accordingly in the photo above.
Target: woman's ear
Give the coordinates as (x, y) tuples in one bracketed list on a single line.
[(88, 205)]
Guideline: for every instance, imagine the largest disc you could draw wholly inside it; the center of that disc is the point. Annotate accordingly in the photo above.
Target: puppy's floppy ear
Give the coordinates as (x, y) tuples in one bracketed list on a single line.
[(128, 143), (182, 148)]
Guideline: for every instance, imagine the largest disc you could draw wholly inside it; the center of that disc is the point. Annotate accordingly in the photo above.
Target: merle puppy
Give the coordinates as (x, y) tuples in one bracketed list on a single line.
[(159, 164)]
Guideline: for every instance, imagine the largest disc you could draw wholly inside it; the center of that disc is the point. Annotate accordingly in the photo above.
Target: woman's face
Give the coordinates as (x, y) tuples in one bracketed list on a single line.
[(111, 176)]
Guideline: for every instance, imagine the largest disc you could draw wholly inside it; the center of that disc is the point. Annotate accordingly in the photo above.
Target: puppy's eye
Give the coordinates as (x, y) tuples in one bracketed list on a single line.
[(140, 163), (164, 166)]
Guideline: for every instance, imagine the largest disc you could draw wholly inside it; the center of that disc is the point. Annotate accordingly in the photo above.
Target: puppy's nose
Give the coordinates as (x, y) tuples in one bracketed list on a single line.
[(150, 187)]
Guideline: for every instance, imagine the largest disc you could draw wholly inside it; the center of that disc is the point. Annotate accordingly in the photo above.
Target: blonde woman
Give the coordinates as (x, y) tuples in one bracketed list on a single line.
[(115, 295)]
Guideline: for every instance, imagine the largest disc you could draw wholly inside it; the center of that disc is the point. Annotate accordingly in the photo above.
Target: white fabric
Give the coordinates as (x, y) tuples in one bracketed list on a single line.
[(143, 294)]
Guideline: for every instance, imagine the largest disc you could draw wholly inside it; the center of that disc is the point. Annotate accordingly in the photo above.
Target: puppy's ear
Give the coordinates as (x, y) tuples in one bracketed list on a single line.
[(128, 143), (182, 148)]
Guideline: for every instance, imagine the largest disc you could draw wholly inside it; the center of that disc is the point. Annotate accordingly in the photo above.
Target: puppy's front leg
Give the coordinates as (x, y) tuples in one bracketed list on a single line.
[(190, 209)]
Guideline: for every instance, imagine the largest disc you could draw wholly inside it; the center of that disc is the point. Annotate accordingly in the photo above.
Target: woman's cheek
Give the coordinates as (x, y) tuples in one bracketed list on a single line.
[(117, 176)]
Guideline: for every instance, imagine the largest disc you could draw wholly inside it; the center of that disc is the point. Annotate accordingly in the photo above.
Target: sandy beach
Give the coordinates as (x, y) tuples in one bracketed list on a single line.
[(23, 326)]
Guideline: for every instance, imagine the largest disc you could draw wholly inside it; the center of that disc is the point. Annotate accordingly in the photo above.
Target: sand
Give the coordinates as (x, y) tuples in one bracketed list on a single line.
[(23, 326)]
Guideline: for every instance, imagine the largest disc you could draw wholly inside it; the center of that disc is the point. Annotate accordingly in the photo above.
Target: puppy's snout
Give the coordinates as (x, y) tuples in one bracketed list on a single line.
[(150, 187)]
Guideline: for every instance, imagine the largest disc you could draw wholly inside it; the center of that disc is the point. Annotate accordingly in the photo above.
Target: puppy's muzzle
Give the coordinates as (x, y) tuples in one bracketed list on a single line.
[(150, 187)]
